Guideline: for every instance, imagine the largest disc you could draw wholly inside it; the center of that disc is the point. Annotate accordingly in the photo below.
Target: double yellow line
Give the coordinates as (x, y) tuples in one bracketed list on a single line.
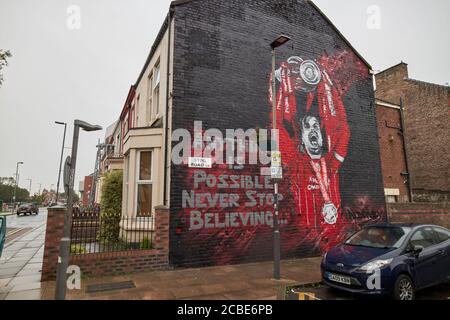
[(307, 296)]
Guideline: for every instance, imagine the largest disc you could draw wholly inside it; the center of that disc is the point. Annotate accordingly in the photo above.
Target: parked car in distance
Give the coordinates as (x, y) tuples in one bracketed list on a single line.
[(2, 233), (27, 208), (389, 259)]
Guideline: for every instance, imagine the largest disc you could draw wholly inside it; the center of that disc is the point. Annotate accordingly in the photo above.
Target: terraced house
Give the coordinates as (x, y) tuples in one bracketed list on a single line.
[(211, 63)]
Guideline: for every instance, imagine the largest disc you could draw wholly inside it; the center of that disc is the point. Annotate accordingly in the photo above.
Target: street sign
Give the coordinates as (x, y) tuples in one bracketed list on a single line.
[(66, 174), (276, 172), (276, 159), (201, 163)]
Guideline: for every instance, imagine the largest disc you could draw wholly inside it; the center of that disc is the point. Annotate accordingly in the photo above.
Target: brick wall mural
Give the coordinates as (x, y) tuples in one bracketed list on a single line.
[(332, 182)]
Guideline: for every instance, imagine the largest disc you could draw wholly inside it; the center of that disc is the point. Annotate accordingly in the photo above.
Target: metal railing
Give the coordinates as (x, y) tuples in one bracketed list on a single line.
[(95, 232)]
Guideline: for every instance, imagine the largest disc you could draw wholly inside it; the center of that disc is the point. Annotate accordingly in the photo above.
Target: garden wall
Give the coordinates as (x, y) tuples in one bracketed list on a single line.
[(107, 263)]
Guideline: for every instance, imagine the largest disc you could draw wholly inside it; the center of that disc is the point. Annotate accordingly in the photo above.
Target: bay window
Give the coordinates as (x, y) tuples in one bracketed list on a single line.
[(144, 185)]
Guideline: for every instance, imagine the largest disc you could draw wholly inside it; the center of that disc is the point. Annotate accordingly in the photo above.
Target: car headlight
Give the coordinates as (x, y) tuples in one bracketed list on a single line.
[(374, 265)]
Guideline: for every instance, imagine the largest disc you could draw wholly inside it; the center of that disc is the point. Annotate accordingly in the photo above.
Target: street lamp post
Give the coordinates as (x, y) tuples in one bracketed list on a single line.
[(282, 39), (60, 161), (17, 182), (64, 249), (29, 190)]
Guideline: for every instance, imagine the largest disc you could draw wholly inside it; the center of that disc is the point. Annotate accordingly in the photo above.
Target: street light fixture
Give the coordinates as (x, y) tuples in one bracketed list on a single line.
[(282, 39), (278, 42), (17, 183), (64, 249), (60, 161)]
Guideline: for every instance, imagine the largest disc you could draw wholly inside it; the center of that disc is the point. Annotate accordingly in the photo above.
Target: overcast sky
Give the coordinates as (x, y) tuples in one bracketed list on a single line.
[(61, 74)]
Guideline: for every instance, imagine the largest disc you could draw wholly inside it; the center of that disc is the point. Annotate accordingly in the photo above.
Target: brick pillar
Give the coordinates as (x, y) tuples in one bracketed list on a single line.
[(53, 235), (162, 221)]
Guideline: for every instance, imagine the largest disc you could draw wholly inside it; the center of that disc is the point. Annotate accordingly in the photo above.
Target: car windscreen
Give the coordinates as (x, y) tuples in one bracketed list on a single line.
[(379, 237)]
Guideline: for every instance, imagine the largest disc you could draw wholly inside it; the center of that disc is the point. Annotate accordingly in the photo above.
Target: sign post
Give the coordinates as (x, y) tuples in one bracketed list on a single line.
[(69, 173), (279, 41)]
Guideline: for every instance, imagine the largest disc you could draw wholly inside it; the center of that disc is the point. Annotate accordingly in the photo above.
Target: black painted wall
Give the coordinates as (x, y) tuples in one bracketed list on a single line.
[(222, 62)]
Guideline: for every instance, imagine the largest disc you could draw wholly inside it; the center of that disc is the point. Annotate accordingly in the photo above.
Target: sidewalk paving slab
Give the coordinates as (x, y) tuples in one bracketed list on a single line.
[(237, 282)]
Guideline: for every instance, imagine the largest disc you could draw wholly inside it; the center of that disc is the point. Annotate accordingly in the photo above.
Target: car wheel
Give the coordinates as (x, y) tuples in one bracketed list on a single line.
[(404, 288)]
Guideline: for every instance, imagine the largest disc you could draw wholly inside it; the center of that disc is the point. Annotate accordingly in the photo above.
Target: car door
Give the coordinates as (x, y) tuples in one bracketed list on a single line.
[(2, 233), (443, 247), (425, 262)]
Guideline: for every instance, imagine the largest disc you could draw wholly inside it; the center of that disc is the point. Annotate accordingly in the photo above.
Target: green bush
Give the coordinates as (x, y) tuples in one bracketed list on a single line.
[(111, 207), (77, 249), (145, 244)]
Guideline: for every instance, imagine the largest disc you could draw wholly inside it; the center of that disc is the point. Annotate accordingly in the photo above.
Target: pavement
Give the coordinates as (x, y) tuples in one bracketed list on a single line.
[(238, 282), (21, 261)]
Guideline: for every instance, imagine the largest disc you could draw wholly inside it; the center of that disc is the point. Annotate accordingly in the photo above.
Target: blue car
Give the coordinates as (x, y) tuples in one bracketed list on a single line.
[(389, 259)]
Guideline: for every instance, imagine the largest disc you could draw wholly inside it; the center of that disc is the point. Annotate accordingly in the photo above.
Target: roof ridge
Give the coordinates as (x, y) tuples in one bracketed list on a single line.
[(427, 83), (394, 66)]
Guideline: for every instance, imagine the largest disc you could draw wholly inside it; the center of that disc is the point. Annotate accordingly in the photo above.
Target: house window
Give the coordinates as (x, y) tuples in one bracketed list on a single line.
[(149, 98), (125, 127), (137, 111), (156, 82), (391, 199), (130, 118), (126, 179), (144, 184)]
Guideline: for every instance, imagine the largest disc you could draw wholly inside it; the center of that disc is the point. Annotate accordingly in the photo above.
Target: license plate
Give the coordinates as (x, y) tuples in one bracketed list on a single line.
[(338, 278)]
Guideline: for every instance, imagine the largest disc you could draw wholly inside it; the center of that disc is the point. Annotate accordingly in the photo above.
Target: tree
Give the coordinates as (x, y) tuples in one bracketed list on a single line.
[(4, 55), (38, 198), (7, 192), (111, 207)]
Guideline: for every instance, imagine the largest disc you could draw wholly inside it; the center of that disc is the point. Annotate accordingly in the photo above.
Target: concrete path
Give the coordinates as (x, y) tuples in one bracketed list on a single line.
[(239, 282), (21, 261)]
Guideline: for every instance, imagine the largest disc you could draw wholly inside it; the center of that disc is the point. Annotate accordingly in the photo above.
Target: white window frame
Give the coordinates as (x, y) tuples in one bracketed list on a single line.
[(136, 110), (149, 110), (127, 181), (143, 182), (156, 92)]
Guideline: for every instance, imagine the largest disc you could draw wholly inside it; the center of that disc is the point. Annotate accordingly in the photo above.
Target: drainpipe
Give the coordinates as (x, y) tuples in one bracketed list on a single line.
[(407, 173), (166, 116)]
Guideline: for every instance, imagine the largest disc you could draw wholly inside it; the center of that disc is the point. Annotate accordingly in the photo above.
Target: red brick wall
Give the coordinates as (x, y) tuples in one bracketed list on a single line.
[(87, 189), (421, 213), (391, 150), (107, 263), (390, 84), (426, 126), (53, 235)]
